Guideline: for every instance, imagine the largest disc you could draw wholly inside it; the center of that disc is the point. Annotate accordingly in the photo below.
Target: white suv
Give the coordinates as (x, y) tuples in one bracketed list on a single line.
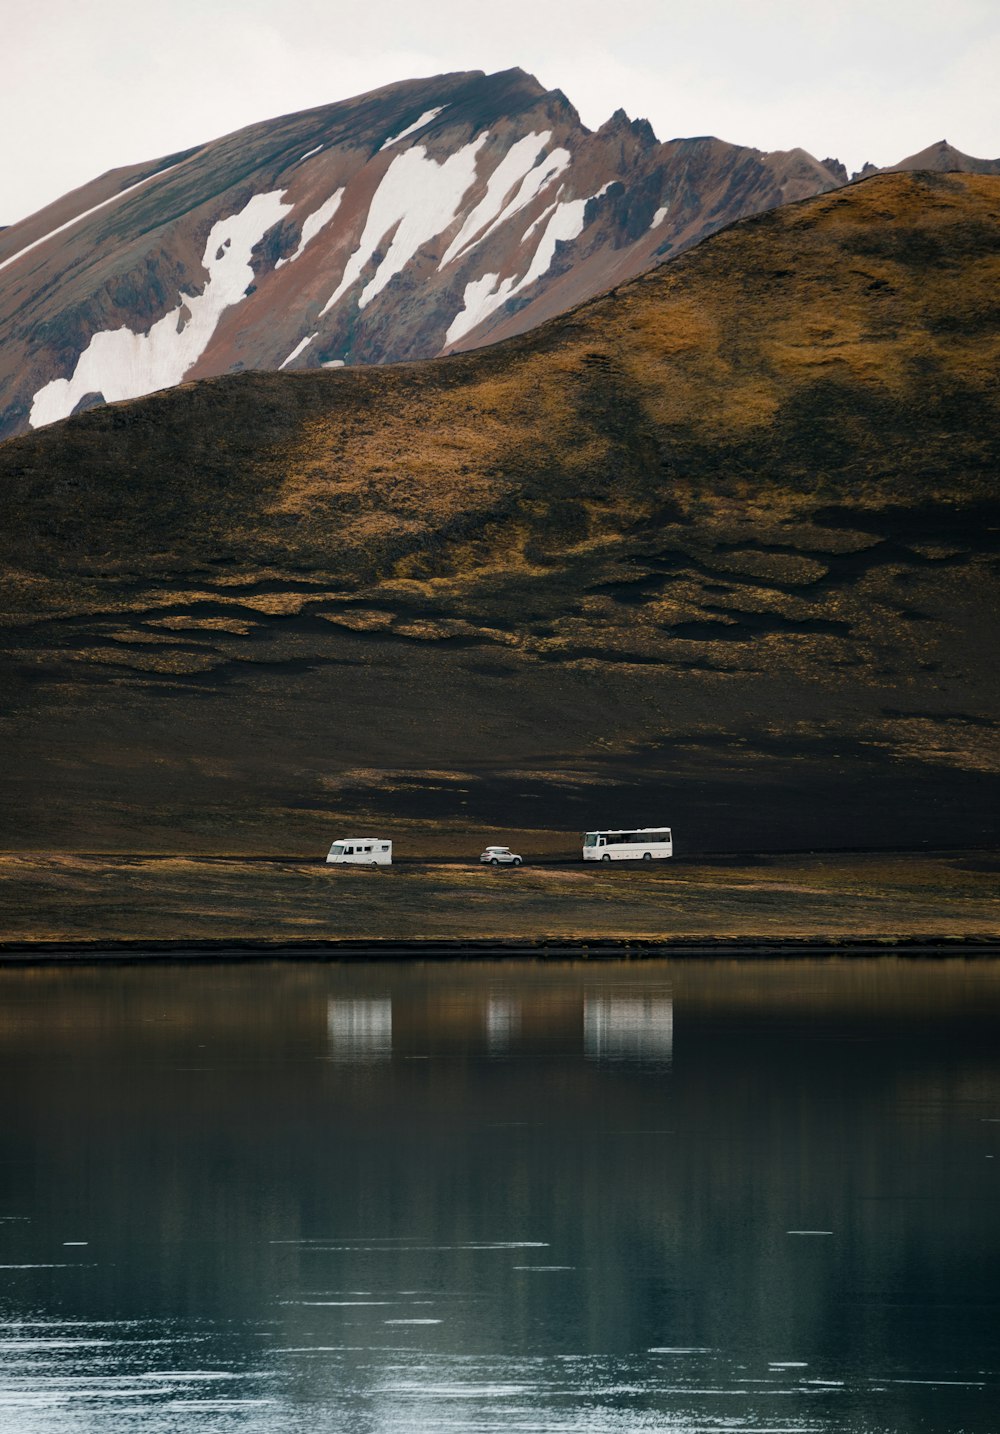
[(500, 856)]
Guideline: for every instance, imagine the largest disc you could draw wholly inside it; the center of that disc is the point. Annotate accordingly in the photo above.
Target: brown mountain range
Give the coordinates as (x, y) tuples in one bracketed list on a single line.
[(718, 548), (425, 217)]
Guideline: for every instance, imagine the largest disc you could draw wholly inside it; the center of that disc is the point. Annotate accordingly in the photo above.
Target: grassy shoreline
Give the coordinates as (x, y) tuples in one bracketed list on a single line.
[(43, 953), (73, 906)]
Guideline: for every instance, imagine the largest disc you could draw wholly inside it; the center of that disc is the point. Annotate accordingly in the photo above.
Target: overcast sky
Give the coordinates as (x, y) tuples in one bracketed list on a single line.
[(92, 84)]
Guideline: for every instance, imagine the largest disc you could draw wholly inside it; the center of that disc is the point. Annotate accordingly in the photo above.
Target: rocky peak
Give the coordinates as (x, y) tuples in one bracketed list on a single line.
[(426, 216)]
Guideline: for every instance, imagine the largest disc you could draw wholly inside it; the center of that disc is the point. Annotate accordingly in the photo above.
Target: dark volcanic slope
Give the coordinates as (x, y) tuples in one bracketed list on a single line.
[(718, 548)]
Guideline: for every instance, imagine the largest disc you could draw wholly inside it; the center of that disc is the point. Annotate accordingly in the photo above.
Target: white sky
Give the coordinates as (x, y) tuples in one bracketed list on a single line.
[(90, 86)]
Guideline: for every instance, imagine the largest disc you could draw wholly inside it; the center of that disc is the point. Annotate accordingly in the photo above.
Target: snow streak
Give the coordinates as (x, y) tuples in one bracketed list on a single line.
[(517, 167), (86, 214), (483, 296), (302, 344), (425, 118), (417, 199), (120, 364), (313, 223)]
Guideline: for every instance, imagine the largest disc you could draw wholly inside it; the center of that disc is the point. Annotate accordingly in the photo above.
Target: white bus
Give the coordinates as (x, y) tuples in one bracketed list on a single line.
[(639, 844), (360, 851)]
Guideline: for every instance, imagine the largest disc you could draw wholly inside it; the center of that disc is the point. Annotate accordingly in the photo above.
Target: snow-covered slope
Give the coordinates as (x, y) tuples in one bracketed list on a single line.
[(426, 216)]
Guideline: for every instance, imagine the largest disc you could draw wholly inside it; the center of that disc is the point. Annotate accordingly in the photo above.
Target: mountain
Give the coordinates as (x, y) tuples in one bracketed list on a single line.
[(718, 548), (940, 158), (424, 217)]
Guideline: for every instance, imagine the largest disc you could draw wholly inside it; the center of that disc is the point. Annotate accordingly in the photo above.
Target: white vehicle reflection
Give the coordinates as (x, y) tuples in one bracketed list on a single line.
[(360, 1030), (628, 1028), (503, 1021)]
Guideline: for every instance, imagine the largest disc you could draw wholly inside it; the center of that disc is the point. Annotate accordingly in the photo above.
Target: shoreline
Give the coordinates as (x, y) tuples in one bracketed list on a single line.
[(76, 909), (181, 952)]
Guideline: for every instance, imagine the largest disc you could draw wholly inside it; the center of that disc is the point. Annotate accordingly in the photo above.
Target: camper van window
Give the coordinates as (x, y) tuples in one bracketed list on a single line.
[(337, 849), (385, 846), (348, 850)]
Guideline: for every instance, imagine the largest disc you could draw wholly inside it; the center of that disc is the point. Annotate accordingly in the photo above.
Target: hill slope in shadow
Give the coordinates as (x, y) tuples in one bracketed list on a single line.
[(717, 549)]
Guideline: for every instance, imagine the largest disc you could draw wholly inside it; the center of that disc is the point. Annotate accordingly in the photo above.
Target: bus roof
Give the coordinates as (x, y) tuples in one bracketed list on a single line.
[(619, 831)]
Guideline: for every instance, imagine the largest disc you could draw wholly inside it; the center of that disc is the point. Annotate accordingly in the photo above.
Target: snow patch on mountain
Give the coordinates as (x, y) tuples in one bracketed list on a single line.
[(533, 182), (484, 295), (418, 198), (566, 223), (542, 219), (302, 344), (86, 214), (425, 118), (659, 216), (516, 164), (121, 364), (309, 153), (313, 224)]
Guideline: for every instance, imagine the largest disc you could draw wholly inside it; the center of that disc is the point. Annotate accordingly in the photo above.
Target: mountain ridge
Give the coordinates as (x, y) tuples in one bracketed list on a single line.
[(346, 218)]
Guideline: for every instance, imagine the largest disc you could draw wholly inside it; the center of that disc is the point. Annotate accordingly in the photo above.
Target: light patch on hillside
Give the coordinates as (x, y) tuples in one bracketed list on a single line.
[(485, 295), (313, 223), (549, 168), (659, 216), (542, 218), (120, 364), (518, 167), (94, 209), (418, 199), (425, 118), (302, 344)]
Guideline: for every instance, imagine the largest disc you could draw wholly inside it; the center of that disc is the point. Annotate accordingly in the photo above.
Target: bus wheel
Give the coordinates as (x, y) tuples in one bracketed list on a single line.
[(605, 857), (647, 856)]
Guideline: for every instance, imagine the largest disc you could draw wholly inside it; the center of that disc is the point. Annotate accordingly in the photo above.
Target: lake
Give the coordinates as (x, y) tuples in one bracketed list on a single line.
[(515, 1196)]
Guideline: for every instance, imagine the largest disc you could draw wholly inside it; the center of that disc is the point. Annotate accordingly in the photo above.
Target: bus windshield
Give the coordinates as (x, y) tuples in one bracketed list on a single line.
[(590, 839), (337, 849)]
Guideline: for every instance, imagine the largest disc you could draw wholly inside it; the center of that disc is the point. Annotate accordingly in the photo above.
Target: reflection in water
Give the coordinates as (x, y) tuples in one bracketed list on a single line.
[(360, 1030), (503, 1022), (478, 1197), (623, 1029)]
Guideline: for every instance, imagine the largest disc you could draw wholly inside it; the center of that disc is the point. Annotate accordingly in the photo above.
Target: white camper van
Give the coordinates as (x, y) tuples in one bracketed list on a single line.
[(360, 851)]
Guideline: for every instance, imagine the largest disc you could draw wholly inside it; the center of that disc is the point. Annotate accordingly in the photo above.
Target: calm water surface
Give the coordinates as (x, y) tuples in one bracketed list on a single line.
[(519, 1196)]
